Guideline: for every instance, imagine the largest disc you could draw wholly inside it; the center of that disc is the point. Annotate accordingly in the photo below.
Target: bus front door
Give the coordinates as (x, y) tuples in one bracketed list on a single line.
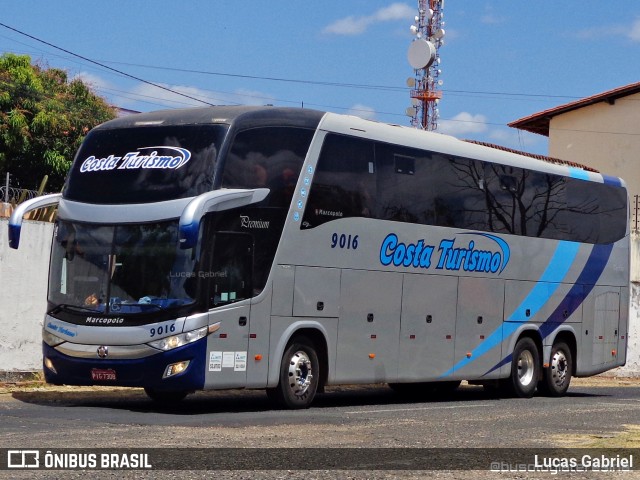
[(229, 295)]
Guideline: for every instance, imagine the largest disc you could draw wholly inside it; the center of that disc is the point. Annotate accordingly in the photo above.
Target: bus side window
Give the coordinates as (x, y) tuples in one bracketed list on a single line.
[(344, 184)]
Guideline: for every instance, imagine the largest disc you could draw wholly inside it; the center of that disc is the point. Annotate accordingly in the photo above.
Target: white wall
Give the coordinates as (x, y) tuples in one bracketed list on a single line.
[(23, 293), (632, 368)]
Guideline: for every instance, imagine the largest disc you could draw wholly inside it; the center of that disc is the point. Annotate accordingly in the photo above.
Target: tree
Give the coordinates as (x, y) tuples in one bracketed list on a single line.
[(44, 117)]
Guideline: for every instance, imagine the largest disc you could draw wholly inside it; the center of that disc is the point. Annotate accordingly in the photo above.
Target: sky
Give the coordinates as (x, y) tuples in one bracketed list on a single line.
[(502, 59)]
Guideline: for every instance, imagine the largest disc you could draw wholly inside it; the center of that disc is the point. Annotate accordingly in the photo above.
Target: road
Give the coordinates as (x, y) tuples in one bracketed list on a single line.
[(363, 416)]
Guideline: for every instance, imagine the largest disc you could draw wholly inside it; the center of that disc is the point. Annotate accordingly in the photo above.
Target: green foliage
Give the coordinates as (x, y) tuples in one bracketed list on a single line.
[(43, 119)]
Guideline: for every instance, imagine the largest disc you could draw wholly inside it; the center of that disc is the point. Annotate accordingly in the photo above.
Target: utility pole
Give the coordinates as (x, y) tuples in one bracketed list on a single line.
[(423, 56)]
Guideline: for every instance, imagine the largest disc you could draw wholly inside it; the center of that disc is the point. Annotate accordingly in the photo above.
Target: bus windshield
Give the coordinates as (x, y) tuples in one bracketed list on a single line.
[(121, 269)]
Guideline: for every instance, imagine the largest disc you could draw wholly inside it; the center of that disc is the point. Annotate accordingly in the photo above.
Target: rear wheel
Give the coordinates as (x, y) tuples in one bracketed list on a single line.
[(299, 375), (556, 378), (525, 369)]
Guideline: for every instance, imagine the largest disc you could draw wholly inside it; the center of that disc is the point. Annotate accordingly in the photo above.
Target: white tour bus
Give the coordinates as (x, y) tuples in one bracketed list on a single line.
[(290, 249)]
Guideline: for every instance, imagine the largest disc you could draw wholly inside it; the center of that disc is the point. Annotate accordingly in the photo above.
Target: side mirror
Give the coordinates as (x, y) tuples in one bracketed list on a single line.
[(216, 201), (15, 222)]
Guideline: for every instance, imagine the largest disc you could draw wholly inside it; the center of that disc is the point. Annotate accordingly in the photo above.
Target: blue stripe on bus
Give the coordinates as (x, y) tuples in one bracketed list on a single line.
[(609, 180), (556, 271), (583, 286)]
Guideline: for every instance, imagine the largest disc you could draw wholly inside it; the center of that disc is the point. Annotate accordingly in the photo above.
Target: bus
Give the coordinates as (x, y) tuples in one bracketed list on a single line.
[(290, 249)]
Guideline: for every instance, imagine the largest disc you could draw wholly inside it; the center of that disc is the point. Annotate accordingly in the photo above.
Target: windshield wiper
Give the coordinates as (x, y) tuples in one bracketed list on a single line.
[(77, 308)]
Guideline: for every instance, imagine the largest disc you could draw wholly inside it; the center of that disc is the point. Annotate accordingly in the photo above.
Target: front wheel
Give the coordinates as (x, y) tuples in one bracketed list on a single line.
[(525, 369), (299, 375), (556, 378)]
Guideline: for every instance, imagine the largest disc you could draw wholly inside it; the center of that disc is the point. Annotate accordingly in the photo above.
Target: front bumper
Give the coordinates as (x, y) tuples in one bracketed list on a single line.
[(139, 372)]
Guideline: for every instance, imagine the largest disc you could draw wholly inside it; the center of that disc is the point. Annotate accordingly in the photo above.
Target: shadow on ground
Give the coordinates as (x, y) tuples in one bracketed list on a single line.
[(235, 401)]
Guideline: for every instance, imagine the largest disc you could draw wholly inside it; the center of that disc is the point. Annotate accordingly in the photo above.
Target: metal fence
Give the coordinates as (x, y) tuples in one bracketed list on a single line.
[(16, 195), (11, 197)]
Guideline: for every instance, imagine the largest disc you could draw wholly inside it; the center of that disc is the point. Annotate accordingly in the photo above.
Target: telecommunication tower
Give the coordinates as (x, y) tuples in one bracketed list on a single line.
[(423, 56)]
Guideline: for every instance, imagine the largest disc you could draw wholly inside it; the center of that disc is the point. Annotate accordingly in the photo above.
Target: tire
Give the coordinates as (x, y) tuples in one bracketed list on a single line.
[(525, 369), (299, 375), (166, 397), (556, 378)]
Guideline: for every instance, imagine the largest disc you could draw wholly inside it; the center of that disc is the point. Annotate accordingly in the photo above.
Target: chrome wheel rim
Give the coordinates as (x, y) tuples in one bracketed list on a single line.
[(526, 368), (300, 373), (559, 368)]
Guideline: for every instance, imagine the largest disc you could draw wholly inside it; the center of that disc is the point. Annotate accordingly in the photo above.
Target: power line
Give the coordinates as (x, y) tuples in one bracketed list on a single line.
[(331, 84), (102, 63), (300, 81), (104, 66)]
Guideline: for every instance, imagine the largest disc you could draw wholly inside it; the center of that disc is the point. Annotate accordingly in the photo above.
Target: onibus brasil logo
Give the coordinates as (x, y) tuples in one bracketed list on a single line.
[(136, 160), (449, 254)]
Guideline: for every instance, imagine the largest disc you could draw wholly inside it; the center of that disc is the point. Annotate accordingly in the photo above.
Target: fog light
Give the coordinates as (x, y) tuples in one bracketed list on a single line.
[(175, 369), (49, 364)]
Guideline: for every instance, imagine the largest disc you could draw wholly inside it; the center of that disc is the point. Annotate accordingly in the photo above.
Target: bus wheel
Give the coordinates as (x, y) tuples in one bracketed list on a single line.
[(555, 379), (525, 369), (165, 397), (299, 375)]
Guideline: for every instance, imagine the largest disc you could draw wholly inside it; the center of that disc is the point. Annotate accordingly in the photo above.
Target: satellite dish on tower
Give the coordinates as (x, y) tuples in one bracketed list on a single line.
[(411, 82), (439, 33), (421, 53)]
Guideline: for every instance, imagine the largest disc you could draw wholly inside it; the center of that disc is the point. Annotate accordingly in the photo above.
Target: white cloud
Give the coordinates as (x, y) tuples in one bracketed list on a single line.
[(150, 93), (357, 25), (362, 111), (629, 31), (149, 97), (94, 81), (158, 96), (463, 123), (491, 19), (634, 33), (396, 11), (252, 97)]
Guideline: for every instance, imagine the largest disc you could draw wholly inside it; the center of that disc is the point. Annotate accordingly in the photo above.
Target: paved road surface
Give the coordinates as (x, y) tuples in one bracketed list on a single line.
[(364, 416)]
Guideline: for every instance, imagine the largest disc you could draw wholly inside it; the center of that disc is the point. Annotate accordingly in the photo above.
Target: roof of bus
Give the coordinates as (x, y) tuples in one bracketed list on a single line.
[(437, 142), (346, 124), (219, 114)]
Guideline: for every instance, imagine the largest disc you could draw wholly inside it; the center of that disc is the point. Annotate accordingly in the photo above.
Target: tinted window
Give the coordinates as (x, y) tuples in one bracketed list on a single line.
[(262, 224), (145, 164), (344, 184), (524, 202), (418, 186), (269, 157), (597, 211), (362, 178)]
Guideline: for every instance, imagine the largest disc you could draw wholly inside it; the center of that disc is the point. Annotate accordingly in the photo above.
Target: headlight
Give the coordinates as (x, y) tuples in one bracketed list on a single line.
[(175, 341), (51, 339)]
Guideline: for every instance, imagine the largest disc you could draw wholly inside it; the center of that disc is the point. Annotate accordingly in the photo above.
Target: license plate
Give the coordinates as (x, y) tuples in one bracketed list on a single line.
[(103, 374)]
